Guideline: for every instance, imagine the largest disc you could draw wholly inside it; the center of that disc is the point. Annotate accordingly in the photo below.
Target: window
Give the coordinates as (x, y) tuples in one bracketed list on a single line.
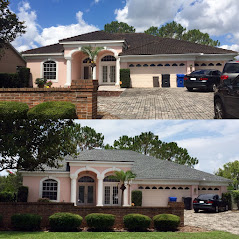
[(160, 187), (159, 65), (154, 188), (182, 64), (174, 188), (180, 188), (203, 64), (111, 180), (218, 64), (49, 70), (216, 189), (146, 65), (204, 189), (196, 64), (138, 65), (141, 187), (152, 65), (211, 64), (167, 64), (174, 64), (147, 188), (167, 188), (86, 179), (210, 189), (187, 188), (131, 65), (108, 58), (87, 60), (49, 189)]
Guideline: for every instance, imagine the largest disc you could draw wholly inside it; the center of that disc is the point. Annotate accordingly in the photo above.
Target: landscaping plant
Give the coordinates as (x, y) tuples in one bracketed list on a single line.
[(65, 222), (235, 195), (7, 197), (137, 198), (125, 78), (166, 222), (137, 222), (100, 221), (227, 197), (22, 194)]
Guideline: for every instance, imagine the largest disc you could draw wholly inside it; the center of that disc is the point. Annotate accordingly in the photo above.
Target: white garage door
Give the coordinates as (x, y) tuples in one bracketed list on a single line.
[(158, 196)]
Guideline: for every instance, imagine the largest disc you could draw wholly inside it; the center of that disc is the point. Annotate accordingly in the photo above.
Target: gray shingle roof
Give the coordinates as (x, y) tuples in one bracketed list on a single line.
[(138, 44), (146, 167)]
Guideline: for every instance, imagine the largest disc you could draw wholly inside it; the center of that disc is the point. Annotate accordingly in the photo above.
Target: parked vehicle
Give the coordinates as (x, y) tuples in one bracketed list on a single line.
[(202, 79), (209, 202), (230, 72), (226, 99)]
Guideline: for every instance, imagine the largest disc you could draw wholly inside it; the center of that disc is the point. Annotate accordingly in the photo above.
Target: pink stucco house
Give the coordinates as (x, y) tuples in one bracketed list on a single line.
[(145, 55), (84, 181)]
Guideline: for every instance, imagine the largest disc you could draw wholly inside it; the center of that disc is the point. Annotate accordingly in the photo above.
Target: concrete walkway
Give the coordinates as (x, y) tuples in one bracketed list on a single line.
[(159, 103)]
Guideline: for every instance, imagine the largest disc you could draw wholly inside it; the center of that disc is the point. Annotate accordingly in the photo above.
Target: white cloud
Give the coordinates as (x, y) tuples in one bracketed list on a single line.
[(36, 36)]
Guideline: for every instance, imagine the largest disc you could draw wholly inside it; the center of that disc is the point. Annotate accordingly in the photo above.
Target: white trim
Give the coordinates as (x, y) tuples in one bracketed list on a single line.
[(57, 69), (44, 54), (58, 187), (84, 65), (109, 170), (86, 168)]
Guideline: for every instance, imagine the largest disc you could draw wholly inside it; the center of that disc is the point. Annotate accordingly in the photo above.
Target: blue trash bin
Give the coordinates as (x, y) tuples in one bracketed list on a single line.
[(180, 80), (172, 199)]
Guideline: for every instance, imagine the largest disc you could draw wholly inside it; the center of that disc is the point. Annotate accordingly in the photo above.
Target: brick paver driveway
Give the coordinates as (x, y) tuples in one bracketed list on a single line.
[(160, 103), (223, 221)]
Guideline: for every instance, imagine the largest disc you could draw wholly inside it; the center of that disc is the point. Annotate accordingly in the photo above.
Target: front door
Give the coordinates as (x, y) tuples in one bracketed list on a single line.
[(86, 195), (111, 195), (108, 74)]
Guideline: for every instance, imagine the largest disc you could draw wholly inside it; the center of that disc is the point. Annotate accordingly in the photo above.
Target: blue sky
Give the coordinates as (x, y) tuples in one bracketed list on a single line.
[(50, 20)]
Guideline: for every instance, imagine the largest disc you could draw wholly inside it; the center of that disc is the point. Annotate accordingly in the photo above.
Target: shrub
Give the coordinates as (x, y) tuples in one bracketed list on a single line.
[(1, 219), (136, 222), (7, 197), (26, 222), (22, 194), (125, 78), (166, 222), (227, 197), (44, 200), (137, 198), (13, 110), (53, 110), (24, 76), (65, 222), (235, 195), (100, 221)]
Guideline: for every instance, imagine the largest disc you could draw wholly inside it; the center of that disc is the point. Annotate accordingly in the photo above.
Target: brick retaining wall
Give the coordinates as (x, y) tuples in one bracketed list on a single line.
[(82, 93), (45, 210)]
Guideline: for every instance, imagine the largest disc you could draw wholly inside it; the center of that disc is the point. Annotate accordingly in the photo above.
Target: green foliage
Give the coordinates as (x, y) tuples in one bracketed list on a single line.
[(53, 110), (235, 196), (22, 194), (26, 222), (100, 221), (136, 222), (149, 144), (65, 222), (11, 182), (227, 197), (44, 200), (40, 81), (166, 222), (177, 31), (13, 110), (125, 78), (230, 171), (137, 198), (34, 145), (24, 76), (118, 27), (7, 197)]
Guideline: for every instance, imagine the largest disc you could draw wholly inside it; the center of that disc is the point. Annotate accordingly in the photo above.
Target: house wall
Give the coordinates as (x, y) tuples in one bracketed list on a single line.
[(10, 60)]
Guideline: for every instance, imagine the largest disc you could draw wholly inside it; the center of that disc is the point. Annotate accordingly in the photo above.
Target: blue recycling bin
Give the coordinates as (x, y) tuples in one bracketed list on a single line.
[(180, 80), (172, 199)]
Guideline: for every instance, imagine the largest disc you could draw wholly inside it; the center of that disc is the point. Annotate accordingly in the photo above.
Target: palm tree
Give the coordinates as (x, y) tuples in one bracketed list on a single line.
[(124, 178), (92, 53)]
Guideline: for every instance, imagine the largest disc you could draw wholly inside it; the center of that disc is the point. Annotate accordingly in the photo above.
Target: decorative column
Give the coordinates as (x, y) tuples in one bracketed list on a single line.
[(73, 189), (100, 192), (94, 69), (117, 71), (68, 77), (126, 197)]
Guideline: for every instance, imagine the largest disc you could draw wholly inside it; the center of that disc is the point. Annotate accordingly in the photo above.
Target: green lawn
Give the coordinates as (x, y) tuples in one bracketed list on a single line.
[(116, 235)]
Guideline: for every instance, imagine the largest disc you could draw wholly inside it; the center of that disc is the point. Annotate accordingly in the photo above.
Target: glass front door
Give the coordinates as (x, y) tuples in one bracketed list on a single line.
[(86, 195), (108, 74), (112, 196)]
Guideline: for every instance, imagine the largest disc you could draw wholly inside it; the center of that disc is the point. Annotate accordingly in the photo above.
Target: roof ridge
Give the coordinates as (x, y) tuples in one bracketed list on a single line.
[(42, 47)]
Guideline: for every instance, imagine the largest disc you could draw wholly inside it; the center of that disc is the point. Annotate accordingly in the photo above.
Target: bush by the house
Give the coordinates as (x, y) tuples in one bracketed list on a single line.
[(44, 200), (166, 222), (24, 76), (7, 197), (53, 110), (65, 222), (13, 110), (1, 219), (26, 222), (100, 221), (227, 197), (235, 195), (137, 222), (22, 194), (137, 198), (125, 78)]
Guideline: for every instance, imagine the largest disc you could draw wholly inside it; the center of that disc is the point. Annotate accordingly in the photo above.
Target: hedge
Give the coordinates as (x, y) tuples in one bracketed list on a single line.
[(13, 110), (125, 78), (1, 220), (26, 222), (166, 222), (137, 198), (22, 194), (137, 222), (235, 195), (53, 110), (227, 197), (100, 221), (24, 76), (65, 222), (7, 197), (44, 200)]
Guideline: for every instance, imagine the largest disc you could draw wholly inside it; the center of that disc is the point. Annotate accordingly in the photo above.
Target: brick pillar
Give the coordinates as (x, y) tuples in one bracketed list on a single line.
[(85, 98)]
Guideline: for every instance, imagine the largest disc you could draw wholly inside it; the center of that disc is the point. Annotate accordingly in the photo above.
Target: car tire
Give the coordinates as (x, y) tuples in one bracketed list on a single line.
[(190, 89), (226, 208), (196, 210), (216, 209), (219, 110)]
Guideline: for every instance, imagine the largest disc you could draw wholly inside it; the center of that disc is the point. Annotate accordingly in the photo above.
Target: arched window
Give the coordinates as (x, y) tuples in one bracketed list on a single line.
[(131, 65), (146, 65), (141, 187), (187, 188), (86, 60), (111, 180), (204, 189), (196, 64), (174, 188), (219, 64), (86, 179), (147, 188), (180, 188), (160, 187), (154, 188), (182, 64), (216, 189), (49, 189), (174, 64), (152, 65), (108, 58), (159, 65), (167, 188), (167, 64), (138, 65), (211, 64), (203, 64), (49, 70), (210, 189)]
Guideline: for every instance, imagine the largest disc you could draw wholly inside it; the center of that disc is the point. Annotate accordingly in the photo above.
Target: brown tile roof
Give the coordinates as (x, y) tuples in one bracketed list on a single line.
[(138, 44)]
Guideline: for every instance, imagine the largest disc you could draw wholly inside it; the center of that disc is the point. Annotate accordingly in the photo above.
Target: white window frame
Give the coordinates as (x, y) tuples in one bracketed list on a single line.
[(42, 69), (58, 187)]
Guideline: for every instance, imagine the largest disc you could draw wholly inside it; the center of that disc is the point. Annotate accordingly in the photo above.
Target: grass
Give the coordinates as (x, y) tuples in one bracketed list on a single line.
[(117, 235)]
